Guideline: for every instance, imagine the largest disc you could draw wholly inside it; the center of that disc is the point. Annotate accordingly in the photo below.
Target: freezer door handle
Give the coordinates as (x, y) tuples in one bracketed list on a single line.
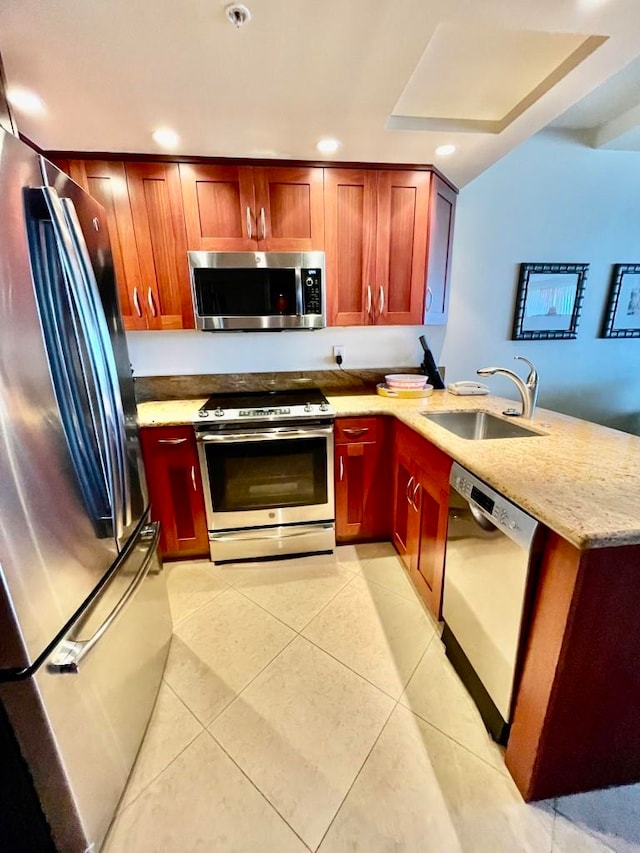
[(69, 653)]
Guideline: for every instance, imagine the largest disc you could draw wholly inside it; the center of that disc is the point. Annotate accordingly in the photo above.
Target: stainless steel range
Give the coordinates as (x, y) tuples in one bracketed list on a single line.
[(267, 467)]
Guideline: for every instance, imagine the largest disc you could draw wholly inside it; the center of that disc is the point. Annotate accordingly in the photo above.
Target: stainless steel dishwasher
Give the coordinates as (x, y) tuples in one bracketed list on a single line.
[(492, 554)]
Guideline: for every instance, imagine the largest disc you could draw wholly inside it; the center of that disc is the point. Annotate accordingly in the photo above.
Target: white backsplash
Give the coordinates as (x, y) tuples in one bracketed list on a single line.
[(192, 352)]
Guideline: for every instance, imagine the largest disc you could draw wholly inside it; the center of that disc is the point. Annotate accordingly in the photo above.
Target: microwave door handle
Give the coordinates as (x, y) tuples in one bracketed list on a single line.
[(299, 293), (69, 653), (117, 431), (86, 436)]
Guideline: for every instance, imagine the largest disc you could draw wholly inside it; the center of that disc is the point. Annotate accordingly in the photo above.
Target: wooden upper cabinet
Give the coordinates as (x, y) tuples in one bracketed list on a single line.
[(219, 208), (376, 242), (106, 181), (158, 221), (245, 208), (402, 222), (289, 208), (442, 208), (350, 240)]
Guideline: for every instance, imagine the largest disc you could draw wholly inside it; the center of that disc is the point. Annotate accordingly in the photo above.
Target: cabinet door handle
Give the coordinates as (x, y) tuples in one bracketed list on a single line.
[(416, 491), (429, 298), (249, 228), (152, 304), (409, 482), (136, 302), (263, 223), (355, 430), (171, 440), (193, 478), (369, 300), (381, 300), (341, 469)]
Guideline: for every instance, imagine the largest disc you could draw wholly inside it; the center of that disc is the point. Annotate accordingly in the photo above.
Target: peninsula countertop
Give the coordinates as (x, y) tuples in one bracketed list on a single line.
[(578, 478)]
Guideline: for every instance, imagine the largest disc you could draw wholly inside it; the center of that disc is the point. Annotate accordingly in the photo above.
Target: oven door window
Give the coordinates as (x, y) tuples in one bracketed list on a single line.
[(268, 474), (245, 292)]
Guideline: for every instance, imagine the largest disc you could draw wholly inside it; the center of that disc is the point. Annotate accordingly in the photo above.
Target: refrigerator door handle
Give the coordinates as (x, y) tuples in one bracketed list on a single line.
[(74, 379), (69, 653), (116, 423), (93, 364)]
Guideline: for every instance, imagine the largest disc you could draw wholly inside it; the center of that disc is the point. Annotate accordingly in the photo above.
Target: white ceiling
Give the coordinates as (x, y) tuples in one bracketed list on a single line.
[(392, 79)]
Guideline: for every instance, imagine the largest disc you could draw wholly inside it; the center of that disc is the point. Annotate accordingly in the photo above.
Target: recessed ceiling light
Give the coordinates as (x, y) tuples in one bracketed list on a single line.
[(166, 138), (445, 150), (26, 101), (328, 146)]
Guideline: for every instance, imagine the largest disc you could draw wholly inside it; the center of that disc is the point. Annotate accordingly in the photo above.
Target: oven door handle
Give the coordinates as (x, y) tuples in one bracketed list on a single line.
[(275, 435)]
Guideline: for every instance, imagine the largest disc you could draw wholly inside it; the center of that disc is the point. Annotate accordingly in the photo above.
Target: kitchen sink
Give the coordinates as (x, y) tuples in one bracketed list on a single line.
[(479, 425)]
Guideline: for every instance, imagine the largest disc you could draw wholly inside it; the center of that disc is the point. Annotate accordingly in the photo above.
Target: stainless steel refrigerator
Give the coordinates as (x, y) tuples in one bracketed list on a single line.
[(84, 619)]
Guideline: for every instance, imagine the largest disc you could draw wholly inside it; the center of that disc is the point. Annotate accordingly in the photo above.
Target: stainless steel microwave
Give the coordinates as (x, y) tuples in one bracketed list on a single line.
[(258, 291)]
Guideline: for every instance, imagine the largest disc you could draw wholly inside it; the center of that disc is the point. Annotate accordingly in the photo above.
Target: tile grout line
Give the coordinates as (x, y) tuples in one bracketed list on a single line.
[(120, 811), (198, 608), (298, 631), (253, 784), (250, 682), (437, 728), (417, 600), (351, 669), (395, 700), (373, 745)]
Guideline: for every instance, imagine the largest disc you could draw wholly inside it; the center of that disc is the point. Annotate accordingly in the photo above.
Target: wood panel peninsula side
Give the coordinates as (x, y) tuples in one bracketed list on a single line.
[(575, 726)]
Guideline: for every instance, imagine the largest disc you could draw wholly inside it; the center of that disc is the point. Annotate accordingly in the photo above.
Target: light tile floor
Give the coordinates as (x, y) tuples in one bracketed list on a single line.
[(308, 705)]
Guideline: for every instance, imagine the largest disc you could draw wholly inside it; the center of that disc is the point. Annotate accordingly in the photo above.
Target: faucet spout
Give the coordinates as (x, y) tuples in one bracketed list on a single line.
[(528, 389)]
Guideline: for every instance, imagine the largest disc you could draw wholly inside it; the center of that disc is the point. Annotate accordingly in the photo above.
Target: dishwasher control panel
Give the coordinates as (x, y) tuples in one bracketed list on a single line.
[(512, 520)]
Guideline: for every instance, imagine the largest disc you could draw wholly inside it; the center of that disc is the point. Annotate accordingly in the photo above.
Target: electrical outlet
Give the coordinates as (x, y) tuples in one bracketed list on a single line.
[(338, 351)]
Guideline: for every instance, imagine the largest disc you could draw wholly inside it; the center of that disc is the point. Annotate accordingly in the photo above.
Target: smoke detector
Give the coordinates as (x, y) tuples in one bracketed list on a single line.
[(238, 14)]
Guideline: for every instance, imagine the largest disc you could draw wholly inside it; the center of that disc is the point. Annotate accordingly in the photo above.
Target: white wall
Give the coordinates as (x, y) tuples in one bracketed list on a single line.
[(551, 200), (166, 353)]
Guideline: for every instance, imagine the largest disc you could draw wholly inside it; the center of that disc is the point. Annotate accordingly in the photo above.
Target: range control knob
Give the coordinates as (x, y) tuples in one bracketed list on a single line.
[(218, 412), (307, 407), (324, 407), (203, 413), (511, 524)]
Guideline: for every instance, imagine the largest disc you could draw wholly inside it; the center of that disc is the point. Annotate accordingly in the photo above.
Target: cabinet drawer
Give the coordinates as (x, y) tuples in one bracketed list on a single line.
[(356, 429)]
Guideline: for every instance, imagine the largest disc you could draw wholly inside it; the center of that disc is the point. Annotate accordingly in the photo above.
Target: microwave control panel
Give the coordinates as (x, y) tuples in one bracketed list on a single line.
[(311, 291)]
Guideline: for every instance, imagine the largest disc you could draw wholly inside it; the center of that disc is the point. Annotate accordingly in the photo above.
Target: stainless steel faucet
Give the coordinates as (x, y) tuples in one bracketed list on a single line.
[(528, 387)]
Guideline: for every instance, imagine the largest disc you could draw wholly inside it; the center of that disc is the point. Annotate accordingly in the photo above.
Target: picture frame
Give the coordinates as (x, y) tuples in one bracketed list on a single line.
[(549, 301), (622, 314)]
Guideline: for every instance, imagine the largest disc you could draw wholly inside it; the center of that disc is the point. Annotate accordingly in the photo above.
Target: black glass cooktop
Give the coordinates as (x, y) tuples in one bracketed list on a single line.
[(265, 399)]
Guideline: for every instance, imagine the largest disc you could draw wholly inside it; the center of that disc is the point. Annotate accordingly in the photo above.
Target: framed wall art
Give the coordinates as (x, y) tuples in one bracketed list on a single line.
[(622, 315), (549, 301)]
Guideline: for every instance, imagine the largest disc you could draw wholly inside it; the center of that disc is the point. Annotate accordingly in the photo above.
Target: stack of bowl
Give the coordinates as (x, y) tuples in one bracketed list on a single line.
[(405, 381), (405, 385)]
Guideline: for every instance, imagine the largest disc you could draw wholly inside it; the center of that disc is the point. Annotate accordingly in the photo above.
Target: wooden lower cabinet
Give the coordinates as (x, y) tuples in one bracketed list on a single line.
[(362, 477), (420, 510), (175, 490)]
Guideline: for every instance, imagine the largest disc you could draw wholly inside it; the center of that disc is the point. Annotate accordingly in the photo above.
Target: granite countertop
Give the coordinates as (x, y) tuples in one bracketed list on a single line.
[(579, 479)]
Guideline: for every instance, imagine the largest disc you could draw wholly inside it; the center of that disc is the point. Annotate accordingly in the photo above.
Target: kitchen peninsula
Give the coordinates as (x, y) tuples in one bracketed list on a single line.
[(575, 721)]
